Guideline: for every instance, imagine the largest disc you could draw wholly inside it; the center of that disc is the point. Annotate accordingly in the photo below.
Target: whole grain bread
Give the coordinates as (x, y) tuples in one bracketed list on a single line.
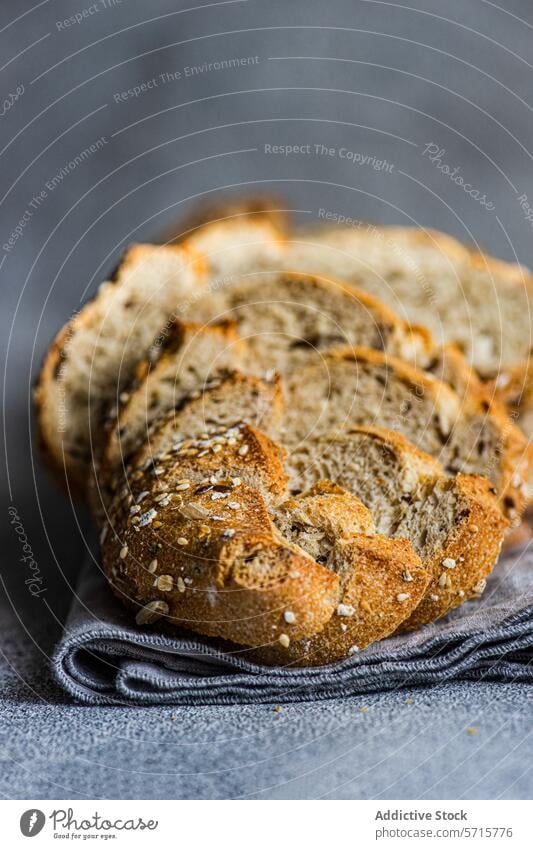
[(206, 542), (360, 386), (94, 357), (183, 360), (461, 294), (453, 523), (204, 552), (199, 529)]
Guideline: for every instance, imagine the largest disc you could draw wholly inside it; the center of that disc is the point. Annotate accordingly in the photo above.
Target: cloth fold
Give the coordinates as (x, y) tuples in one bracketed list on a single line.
[(102, 658)]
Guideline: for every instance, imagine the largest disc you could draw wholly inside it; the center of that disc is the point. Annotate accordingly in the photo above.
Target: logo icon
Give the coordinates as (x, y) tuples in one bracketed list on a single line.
[(32, 822)]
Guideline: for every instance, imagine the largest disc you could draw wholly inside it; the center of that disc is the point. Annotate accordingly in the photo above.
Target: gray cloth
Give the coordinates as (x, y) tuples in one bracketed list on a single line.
[(103, 659), (417, 743)]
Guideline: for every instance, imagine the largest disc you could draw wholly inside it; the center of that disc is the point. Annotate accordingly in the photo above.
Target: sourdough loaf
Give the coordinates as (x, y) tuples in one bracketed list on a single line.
[(423, 543), (200, 526)]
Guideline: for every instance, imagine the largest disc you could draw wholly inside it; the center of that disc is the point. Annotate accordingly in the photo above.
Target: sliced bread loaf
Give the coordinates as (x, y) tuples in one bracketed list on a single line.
[(193, 542), (360, 386), (454, 523)]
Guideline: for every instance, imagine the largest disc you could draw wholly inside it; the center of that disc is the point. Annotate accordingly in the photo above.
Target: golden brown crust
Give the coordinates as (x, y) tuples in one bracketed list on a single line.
[(471, 548), (220, 567), (468, 555), (268, 207), (375, 600), (68, 475)]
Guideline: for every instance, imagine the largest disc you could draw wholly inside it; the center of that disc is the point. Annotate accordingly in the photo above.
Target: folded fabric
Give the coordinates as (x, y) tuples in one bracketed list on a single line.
[(102, 658)]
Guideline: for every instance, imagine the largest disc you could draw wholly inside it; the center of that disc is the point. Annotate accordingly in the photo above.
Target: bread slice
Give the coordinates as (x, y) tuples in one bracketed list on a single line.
[(454, 523), (94, 356), (287, 319), (360, 386), (382, 579), (231, 398), (462, 295), (194, 544), (187, 358)]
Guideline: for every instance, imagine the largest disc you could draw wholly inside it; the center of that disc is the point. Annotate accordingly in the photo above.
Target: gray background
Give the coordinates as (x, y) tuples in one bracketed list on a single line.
[(380, 78)]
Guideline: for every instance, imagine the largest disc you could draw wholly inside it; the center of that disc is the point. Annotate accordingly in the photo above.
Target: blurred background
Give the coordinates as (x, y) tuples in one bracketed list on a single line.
[(117, 118)]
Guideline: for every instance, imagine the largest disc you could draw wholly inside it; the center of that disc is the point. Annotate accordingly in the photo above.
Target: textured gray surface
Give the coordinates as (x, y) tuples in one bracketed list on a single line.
[(53, 749), (389, 80)]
